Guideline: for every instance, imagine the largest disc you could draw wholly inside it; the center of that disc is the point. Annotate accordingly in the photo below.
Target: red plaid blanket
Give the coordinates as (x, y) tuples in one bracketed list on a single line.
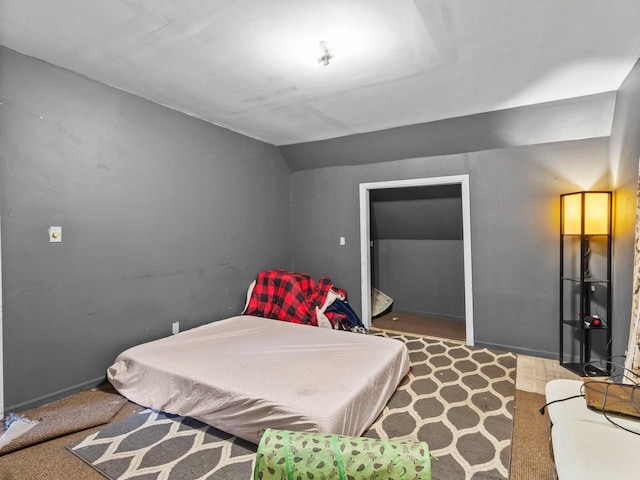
[(288, 296)]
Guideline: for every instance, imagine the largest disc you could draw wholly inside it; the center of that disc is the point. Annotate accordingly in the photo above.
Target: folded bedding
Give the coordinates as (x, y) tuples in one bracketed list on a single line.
[(297, 298), (246, 374)]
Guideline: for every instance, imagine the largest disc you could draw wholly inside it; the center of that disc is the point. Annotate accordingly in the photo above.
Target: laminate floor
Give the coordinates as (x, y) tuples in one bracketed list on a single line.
[(421, 325)]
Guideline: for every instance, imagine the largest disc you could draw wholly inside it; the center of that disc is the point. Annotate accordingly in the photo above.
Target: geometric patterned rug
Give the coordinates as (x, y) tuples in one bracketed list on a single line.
[(456, 398), (460, 401)]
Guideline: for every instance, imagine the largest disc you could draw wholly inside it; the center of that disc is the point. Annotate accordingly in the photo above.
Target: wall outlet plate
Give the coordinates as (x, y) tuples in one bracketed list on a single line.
[(55, 234), (175, 328)]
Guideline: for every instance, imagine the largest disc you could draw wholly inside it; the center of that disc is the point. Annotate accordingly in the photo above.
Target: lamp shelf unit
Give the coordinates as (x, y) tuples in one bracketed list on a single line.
[(585, 282), (578, 323)]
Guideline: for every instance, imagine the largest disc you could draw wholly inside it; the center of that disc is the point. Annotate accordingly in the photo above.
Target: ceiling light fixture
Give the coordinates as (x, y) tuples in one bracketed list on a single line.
[(325, 54)]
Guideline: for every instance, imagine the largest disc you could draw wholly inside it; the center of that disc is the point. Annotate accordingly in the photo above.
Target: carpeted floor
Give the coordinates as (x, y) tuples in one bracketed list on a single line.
[(531, 457)]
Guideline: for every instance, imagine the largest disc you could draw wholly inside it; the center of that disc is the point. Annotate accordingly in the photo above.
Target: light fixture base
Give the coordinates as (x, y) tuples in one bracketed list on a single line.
[(325, 54)]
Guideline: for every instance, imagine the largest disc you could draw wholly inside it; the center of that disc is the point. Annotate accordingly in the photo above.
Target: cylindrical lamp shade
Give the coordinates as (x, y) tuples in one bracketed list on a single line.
[(595, 207)]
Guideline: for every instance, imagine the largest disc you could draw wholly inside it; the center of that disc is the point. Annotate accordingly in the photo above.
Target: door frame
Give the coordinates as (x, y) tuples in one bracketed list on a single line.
[(1, 339), (365, 240)]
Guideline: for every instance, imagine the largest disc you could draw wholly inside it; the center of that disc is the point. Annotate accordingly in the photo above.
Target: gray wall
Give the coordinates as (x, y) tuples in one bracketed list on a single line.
[(625, 152), (417, 213), (422, 276), (417, 256), (514, 219), (165, 218)]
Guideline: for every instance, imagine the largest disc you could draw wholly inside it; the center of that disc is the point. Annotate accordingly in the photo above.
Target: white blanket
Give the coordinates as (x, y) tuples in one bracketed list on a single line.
[(245, 374)]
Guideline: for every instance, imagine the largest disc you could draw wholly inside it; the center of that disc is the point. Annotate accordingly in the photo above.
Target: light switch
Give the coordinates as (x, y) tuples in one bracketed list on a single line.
[(342, 241), (55, 234)]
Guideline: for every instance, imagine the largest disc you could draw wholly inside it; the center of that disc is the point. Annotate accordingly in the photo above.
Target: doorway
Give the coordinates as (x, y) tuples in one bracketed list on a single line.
[(403, 189)]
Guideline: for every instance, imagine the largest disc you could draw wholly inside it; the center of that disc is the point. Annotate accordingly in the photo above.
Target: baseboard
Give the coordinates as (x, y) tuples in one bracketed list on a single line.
[(442, 316), (518, 350), (52, 397)]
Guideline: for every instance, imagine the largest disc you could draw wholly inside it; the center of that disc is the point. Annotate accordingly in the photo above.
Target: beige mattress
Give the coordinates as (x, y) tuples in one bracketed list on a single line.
[(245, 374)]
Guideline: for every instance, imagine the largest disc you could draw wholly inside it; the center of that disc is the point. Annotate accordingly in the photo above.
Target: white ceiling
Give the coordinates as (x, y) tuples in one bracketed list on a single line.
[(250, 65)]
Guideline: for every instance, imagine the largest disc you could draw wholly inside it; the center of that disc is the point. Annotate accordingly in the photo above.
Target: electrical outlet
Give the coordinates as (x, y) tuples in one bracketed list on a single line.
[(175, 327)]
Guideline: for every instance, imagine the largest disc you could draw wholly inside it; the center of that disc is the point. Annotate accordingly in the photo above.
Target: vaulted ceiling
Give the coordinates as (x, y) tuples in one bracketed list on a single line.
[(251, 65)]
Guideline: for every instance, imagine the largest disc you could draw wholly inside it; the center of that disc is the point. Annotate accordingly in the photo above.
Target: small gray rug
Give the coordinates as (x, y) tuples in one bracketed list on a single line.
[(458, 399), (155, 445)]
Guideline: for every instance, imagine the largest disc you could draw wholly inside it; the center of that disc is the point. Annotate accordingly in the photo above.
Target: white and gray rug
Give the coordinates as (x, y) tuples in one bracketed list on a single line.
[(458, 399)]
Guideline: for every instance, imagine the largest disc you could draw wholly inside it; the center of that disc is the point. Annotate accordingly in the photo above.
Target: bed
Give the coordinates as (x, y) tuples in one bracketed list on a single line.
[(245, 374)]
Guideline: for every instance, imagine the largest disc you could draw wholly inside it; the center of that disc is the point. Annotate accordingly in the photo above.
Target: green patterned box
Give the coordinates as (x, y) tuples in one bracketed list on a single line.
[(286, 455)]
